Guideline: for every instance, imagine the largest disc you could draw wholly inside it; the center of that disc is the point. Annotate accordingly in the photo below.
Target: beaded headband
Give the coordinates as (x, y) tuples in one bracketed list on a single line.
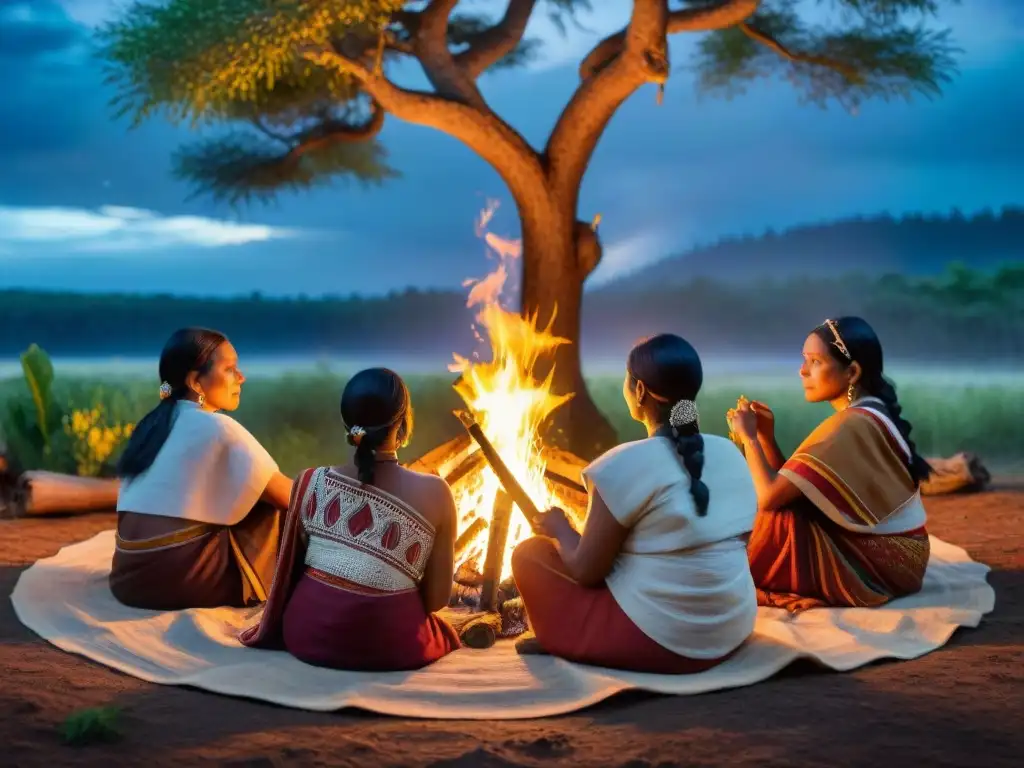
[(838, 342)]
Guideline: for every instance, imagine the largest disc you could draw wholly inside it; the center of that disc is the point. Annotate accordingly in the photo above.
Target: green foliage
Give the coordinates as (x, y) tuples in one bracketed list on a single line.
[(31, 419), (91, 726), (870, 51), (241, 166), (200, 58), (296, 416), (38, 372), (217, 61)]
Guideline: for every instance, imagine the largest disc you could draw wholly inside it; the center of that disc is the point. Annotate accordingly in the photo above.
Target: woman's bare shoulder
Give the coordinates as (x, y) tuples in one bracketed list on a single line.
[(427, 482), (430, 494)]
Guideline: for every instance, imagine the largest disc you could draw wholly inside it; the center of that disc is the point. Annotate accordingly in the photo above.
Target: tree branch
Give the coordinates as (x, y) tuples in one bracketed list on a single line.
[(717, 15), (846, 70), (430, 46), (480, 130), (493, 44), (335, 132)]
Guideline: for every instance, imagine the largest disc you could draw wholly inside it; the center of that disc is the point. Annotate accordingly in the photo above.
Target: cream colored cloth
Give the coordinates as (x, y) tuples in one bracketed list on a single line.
[(66, 600), (211, 469), (682, 578)]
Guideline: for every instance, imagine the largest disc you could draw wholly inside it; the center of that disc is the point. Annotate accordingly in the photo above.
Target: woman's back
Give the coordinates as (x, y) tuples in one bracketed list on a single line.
[(378, 536), (681, 576)]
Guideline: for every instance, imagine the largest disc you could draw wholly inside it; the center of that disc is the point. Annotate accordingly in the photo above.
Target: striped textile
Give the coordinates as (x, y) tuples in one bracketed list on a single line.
[(800, 559)]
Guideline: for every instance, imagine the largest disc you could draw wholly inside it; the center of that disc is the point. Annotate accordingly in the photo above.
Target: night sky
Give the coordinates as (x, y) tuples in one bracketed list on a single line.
[(87, 204)]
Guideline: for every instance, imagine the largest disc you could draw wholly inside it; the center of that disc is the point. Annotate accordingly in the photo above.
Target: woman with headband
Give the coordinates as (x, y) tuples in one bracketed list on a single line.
[(658, 581), (367, 551), (840, 523), (200, 503)]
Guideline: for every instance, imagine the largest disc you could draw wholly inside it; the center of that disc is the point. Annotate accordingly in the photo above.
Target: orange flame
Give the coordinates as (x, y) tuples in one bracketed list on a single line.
[(509, 402)]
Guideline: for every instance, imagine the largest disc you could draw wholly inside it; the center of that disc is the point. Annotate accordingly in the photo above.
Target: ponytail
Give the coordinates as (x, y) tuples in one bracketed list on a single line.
[(690, 445), (147, 439), (366, 442), (379, 397), (885, 391)]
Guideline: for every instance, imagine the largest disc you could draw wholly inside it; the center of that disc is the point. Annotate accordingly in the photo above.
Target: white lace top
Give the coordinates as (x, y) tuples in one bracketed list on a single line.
[(364, 535)]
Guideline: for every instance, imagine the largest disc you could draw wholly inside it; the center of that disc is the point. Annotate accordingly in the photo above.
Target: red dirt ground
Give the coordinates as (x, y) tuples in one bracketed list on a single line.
[(960, 706)]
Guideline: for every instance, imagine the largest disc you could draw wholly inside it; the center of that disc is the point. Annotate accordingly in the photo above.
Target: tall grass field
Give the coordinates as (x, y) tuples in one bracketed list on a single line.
[(296, 416)]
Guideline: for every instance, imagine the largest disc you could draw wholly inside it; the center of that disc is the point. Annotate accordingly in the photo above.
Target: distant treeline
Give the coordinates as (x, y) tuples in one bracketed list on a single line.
[(959, 315), (915, 244)]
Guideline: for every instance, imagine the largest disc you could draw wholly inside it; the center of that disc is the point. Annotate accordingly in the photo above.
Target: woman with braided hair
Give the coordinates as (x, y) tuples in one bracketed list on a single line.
[(367, 550), (658, 581), (840, 523)]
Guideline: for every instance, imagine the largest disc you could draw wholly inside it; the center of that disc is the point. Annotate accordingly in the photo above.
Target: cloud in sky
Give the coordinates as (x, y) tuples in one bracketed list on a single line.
[(629, 254), (121, 229)]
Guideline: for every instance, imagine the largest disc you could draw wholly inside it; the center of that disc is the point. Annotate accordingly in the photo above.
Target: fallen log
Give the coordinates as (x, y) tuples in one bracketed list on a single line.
[(961, 473), (37, 493), (477, 629)]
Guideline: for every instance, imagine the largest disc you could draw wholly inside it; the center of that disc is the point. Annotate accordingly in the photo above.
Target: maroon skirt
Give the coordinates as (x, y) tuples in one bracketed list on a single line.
[(586, 624), (331, 623)]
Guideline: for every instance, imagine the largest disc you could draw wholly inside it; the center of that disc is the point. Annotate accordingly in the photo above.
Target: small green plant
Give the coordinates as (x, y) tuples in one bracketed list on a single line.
[(91, 726), (32, 423)]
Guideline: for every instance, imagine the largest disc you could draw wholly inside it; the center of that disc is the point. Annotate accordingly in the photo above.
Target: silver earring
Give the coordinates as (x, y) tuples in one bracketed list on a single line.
[(201, 400)]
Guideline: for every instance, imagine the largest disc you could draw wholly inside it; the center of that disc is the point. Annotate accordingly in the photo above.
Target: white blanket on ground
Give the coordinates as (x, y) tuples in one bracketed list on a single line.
[(65, 599)]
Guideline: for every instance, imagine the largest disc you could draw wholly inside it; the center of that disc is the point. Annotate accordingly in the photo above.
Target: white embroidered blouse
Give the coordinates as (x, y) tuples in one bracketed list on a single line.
[(364, 535)]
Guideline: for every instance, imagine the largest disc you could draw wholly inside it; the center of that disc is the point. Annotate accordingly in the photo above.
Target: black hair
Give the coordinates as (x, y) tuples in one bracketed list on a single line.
[(375, 400), (864, 348), (188, 350), (671, 371)]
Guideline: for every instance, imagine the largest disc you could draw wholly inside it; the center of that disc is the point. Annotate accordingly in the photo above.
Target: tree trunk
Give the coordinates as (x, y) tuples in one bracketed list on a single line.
[(558, 254)]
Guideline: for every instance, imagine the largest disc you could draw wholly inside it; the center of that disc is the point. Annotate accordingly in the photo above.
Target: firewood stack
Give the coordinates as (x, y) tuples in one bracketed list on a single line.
[(483, 609)]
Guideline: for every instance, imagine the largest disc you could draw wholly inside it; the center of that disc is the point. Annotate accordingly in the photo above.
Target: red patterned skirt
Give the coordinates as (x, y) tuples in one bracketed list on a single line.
[(800, 559)]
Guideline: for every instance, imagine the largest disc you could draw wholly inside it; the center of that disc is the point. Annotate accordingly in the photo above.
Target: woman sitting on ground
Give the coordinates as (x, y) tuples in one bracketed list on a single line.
[(658, 581), (368, 549), (200, 504), (841, 522)]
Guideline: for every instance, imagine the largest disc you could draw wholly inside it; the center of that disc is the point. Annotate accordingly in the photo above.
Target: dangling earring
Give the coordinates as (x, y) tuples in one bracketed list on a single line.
[(849, 394), (202, 400)]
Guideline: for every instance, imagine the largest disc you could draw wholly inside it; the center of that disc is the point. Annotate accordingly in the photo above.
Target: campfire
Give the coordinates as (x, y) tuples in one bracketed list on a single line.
[(510, 403)]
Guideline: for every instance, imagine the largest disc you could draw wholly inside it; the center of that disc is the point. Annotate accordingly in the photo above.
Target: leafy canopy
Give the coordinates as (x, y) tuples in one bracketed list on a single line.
[(293, 124), (865, 49)]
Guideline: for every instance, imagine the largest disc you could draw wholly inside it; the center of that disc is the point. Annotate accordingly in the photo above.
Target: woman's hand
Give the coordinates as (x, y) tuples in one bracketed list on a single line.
[(765, 420), (743, 421), (554, 523)]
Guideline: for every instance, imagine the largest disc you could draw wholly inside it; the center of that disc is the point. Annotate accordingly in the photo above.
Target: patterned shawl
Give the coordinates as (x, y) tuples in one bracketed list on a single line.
[(853, 467)]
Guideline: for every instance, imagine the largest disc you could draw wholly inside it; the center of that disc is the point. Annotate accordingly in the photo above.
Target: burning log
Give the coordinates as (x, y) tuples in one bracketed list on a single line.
[(445, 458), (496, 541), (467, 536), (505, 477)]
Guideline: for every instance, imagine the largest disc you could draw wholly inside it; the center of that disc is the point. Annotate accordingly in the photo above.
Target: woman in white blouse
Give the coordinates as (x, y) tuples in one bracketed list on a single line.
[(658, 581), (200, 504)]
